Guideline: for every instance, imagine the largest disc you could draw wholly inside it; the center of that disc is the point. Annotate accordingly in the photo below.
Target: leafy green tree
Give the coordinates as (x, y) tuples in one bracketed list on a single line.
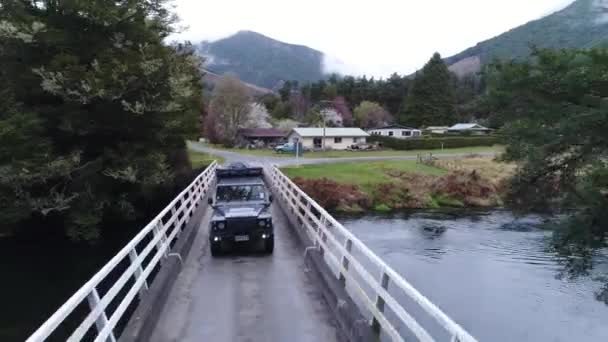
[(281, 111), (556, 117), (370, 114), (330, 91), (431, 100), (98, 110)]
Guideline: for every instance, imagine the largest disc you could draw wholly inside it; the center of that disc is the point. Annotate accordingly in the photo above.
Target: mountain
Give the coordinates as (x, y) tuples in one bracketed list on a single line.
[(212, 78), (261, 60), (582, 24)]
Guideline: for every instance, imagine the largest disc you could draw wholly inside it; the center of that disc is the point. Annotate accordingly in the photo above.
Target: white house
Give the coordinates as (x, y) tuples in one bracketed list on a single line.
[(396, 131), (473, 128), (437, 129), (335, 138)]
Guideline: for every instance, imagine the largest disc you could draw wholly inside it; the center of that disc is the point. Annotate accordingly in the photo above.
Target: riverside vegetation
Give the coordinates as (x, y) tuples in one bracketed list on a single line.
[(391, 185)]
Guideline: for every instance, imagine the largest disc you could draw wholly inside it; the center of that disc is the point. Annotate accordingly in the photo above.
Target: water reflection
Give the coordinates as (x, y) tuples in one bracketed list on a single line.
[(491, 271)]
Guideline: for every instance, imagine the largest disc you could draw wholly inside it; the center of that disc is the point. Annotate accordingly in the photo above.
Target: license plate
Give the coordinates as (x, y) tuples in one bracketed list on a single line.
[(239, 238)]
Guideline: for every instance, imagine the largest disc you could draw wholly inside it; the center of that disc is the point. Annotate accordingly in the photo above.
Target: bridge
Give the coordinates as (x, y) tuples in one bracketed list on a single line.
[(321, 283)]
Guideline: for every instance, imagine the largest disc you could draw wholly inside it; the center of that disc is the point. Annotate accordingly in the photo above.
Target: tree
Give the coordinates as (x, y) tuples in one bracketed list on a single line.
[(556, 117), (330, 91), (370, 114), (331, 117), (281, 111), (258, 116), (340, 105), (431, 99), (230, 108), (100, 105)]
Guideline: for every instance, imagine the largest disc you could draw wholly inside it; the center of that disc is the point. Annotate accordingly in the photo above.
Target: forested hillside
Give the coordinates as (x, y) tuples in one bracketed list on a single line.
[(261, 60), (583, 24)]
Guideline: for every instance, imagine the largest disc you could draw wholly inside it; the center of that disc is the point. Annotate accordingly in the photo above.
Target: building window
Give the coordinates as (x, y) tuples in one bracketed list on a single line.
[(317, 143), (355, 139), (416, 133), (337, 140), (406, 133), (390, 133)]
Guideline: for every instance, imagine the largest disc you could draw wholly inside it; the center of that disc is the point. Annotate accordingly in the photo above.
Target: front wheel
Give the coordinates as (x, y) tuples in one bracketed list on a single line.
[(269, 246)]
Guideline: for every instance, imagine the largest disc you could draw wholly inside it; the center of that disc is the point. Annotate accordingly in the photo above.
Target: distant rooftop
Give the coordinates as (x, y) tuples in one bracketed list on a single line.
[(330, 132), (393, 127), (468, 126)]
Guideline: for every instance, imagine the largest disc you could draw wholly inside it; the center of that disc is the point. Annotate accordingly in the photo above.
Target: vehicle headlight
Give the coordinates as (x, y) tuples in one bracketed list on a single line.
[(219, 225), (262, 223)]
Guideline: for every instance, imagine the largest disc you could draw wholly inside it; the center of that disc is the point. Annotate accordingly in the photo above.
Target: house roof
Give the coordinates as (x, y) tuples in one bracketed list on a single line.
[(330, 132), (262, 132), (430, 128), (470, 126), (393, 127)]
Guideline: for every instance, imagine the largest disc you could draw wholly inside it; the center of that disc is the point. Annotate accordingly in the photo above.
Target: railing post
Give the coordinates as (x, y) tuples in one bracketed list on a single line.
[(348, 245), (138, 272), (102, 320), (380, 301), (158, 228), (321, 234)]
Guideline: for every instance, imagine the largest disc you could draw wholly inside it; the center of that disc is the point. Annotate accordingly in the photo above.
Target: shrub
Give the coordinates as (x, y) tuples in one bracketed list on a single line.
[(469, 188), (332, 195), (434, 143)]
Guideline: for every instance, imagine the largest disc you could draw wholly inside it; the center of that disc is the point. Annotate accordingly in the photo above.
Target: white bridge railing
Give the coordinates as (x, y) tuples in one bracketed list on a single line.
[(156, 238), (352, 261)]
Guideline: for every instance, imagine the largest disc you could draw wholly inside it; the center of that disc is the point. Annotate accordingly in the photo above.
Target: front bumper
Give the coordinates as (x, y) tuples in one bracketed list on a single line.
[(219, 237)]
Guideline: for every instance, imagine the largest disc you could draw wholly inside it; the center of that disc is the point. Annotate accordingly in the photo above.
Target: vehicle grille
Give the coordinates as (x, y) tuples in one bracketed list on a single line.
[(242, 224)]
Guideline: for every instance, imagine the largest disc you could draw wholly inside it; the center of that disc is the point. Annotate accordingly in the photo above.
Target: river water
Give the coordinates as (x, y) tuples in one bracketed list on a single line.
[(491, 272)]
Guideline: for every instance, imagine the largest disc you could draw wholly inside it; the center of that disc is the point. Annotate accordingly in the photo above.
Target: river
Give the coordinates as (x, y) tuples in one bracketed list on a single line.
[(489, 271)]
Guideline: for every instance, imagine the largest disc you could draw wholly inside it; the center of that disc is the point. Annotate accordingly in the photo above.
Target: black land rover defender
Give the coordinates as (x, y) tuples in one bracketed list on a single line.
[(241, 209)]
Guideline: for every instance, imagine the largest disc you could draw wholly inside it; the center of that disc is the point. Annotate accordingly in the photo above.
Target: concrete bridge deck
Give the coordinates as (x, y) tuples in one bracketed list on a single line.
[(244, 296)]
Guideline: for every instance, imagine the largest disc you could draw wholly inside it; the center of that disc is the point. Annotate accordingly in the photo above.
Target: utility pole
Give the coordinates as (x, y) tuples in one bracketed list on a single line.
[(324, 124)]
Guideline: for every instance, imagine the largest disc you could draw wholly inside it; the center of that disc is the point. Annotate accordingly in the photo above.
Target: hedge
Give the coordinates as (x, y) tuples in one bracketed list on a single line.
[(433, 143)]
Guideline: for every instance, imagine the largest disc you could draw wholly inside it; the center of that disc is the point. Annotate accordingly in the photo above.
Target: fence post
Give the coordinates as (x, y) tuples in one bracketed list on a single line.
[(102, 320), (348, 245), (138, 272), (158, 230), (380, 301)]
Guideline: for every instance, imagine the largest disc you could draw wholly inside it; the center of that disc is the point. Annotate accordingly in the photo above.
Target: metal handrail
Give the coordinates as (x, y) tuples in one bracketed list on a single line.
[(162, 235), (324, 231)]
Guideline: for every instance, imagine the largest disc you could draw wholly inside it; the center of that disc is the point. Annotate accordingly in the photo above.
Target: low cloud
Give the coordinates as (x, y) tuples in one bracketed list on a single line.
[(600, 8)]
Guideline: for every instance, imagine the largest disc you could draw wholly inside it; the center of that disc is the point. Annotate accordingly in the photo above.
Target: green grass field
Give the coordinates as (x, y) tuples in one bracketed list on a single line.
[(200, 159), (346, 154), (394, 153), (364, 174)]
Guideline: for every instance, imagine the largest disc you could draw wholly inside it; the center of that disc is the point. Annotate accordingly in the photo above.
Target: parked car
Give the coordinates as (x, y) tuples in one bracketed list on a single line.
[(287, 148), (361, 146)]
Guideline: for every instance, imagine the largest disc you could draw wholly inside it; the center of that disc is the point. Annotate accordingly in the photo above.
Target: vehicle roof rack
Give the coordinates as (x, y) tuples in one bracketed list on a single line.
[(238, 170)]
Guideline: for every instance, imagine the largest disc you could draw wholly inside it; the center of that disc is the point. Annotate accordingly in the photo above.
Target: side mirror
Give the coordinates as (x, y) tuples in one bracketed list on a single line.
[(210, 200), (270, 198)]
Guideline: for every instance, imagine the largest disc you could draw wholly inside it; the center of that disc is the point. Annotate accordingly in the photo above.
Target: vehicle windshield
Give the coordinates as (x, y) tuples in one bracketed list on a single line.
[(237, 193)]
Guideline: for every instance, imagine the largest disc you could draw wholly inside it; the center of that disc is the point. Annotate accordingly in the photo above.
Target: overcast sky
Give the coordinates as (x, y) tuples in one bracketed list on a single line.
[(375, 37)]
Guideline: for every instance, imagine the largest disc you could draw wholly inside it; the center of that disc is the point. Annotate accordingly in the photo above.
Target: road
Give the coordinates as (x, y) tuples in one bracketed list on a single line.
[(230, 156), (246, 297)]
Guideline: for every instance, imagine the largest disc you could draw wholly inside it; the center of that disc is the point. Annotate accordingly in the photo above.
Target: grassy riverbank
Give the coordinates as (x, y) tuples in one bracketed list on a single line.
[(400, 184)]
